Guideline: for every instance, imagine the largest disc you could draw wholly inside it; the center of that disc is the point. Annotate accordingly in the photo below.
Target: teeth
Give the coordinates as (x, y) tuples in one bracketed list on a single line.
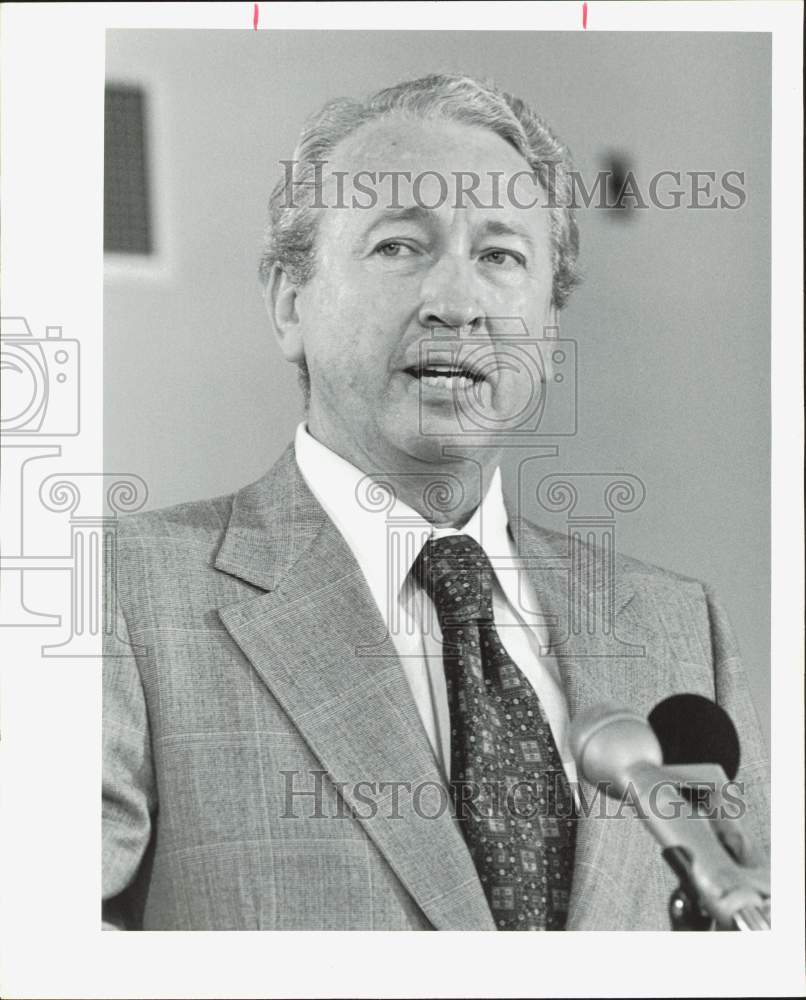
[(448, 381)]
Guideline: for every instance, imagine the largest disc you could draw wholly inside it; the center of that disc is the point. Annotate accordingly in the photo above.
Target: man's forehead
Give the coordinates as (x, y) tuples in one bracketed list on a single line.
[(404, 143), (391, 167)]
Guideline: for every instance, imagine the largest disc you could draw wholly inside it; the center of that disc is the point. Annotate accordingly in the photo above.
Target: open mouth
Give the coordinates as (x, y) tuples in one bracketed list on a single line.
[(447, 376)]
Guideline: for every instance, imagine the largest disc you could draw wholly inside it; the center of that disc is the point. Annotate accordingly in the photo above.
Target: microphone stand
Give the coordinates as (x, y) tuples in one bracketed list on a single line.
[(685, 911), (714, 893)]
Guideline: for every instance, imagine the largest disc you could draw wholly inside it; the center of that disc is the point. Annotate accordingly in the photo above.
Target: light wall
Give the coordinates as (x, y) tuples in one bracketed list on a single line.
[(672, 323)]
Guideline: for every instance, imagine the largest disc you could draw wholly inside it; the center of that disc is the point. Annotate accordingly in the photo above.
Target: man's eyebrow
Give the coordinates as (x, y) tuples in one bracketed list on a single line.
[(411, 213), (496, 227), (425, 216)]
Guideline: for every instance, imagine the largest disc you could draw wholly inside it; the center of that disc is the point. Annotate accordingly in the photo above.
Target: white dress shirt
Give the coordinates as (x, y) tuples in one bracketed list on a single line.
[(385, 536)]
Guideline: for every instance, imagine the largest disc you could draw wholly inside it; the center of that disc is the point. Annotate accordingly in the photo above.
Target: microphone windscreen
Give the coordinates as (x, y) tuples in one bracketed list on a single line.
[(695, 730)]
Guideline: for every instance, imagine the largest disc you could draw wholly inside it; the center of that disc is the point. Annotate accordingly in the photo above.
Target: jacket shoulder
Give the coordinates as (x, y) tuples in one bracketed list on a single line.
[(199, 521), (164, 568), (627, 568)]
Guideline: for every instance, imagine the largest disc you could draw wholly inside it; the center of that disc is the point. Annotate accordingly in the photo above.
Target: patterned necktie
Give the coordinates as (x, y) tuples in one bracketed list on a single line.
[(509, 791)]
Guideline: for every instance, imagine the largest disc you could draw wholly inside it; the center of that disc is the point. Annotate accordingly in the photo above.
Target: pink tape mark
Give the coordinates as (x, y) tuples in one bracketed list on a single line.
[(255, 16), (584, 16)]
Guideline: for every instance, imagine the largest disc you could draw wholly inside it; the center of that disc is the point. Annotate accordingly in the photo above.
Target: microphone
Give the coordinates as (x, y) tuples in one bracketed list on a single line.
[(695, 730), (686, 740)]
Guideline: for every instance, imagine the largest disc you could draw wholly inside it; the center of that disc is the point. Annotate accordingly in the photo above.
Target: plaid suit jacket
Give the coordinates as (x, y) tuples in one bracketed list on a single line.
[(265, 766)]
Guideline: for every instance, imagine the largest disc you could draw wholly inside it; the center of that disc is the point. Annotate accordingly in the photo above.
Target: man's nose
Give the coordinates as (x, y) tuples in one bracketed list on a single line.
[(450, 296)]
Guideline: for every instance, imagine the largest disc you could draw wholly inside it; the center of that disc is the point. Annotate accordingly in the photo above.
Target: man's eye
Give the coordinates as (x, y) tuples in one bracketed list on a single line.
[(393, 248), (503, 258)]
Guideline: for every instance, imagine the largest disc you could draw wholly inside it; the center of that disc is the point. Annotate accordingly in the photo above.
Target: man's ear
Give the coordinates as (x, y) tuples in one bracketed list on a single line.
[(280, 297)]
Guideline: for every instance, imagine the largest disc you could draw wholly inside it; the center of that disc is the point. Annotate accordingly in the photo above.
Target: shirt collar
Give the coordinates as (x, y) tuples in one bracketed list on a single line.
[(373, 520)]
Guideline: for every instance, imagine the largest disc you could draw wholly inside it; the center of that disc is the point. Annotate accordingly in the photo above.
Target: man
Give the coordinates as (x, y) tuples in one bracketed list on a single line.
[(348, 687)]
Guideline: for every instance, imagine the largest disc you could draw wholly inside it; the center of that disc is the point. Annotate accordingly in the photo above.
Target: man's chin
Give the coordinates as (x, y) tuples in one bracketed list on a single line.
[(435, 439)]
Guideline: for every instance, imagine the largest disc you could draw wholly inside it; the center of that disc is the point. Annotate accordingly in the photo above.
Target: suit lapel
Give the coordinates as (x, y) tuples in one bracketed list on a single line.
[(599, 663), (318, 642), (595, 668)]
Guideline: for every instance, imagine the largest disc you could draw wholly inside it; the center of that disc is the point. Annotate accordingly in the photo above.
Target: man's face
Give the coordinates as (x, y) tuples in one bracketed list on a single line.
[(390, 282)]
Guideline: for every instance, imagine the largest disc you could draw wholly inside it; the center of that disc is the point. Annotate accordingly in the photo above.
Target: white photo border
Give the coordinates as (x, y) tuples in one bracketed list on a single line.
[(51, 944)]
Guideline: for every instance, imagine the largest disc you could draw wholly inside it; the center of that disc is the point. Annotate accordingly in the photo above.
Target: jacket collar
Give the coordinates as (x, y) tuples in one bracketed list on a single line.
[(272, 522)]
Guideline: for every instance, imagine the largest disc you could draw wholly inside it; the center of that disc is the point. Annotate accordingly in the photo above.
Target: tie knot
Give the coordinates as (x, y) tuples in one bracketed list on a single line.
[(456, 574)]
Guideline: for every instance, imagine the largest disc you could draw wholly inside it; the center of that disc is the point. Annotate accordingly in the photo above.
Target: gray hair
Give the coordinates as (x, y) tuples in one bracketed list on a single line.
[(290, 238)]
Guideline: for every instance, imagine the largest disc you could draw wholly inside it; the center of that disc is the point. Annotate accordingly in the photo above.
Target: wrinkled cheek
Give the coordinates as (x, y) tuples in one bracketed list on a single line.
[(333, 376), (344, 368)]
